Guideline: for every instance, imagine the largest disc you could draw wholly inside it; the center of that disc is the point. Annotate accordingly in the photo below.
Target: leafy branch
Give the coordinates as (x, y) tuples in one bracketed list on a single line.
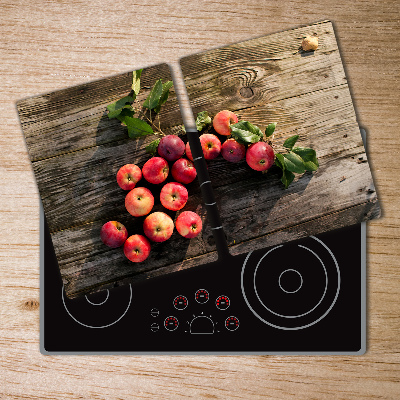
[(141, 122), (202, 121), (294, 160)]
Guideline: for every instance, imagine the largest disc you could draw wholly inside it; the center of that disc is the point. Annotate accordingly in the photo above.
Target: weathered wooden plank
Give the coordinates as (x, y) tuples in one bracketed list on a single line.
[(81, 242), (346, 217), (73, 186), (276, 46), (75, 118), (324, 120), (90, 128), (253, 207), (85, 262), (307, 94), (60, 104), (78, 282), (80, 187), (243, 83)]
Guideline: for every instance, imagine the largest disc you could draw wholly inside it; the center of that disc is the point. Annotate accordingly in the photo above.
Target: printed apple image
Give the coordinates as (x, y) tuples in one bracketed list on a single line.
[(188, 152), (139, 201), (128, 176), (171, 147), (260, 156), (158, 226), (211, 146), (137, 248), (113, 234), (155, 170), (188, 224), (183, 171), (222, 121), (233, 151), (174, 196)]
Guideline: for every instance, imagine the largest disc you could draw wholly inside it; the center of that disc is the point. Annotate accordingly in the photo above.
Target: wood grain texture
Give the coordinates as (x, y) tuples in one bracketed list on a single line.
[(51, 45), (76, 152), (266, 80)]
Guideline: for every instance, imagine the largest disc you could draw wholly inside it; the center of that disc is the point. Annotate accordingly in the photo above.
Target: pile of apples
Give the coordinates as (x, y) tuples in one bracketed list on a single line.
[(158, 226), (259, 156)]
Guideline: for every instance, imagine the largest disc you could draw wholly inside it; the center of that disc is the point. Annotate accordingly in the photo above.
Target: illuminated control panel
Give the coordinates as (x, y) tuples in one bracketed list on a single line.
[(203, 317)]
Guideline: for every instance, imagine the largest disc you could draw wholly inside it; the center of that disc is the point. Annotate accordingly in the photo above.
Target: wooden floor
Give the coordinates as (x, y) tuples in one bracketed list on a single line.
[(52, 45)]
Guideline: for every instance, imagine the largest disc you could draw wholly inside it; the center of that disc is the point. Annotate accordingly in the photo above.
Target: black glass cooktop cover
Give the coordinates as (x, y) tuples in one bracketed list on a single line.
[(306, 296)]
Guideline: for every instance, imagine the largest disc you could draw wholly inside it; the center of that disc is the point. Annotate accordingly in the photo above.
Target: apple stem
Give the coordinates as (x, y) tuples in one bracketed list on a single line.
[(158, 128)]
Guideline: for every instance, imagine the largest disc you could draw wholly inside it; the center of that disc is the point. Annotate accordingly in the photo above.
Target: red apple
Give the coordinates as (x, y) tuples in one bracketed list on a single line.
[(211, 146), (171, 147), (113, 234), (260, 156), (222, 121), (128, 176), (137, 248), (232, 150), (183, 171), (188, 152), (158, 226), (189, 224), (155, 170), (174, 196), (139, 201)]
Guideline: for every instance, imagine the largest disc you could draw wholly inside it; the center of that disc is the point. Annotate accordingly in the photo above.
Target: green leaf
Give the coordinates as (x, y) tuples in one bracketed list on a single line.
[(246, 133), (126, 111), (279, 161), (164, 95), (287, 178), (137, 127), (152, 147), (202, 120), (269, 130), (290, 142), (114, 109), (136, 80), (310, 166), (309, 157), (294, 163), (154, 96), (183, 128)]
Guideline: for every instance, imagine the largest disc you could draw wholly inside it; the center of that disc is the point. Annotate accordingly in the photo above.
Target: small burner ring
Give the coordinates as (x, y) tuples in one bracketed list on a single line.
[(98, 304), (290, 291)]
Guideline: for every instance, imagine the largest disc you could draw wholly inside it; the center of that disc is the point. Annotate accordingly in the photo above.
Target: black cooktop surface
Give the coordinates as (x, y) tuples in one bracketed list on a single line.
[(306, 296)]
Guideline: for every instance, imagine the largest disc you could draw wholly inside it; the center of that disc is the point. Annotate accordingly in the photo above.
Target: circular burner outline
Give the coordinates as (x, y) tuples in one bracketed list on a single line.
[(291, 316), (297, 327), (301, 280), (98, 304), (97, 327)]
